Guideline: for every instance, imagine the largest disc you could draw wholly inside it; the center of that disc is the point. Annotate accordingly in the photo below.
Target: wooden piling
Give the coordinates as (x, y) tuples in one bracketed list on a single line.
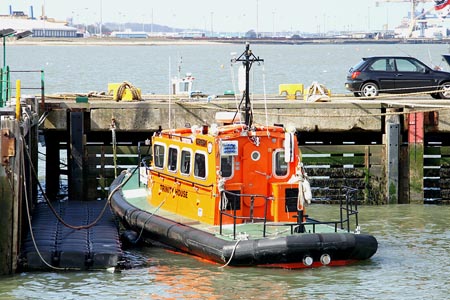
[(416, 155), (52, 165), (11, 191), (76, 155)]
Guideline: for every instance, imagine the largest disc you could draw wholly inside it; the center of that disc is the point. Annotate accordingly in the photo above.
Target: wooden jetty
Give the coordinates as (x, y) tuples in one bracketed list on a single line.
[(394, 150), (18, 148)]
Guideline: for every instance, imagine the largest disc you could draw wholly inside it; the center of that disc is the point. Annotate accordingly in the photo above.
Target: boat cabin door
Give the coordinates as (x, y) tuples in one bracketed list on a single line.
[(256, 170)]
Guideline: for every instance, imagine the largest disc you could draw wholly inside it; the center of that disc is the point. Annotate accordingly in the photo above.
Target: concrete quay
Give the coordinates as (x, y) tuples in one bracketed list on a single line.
[(393, 149)]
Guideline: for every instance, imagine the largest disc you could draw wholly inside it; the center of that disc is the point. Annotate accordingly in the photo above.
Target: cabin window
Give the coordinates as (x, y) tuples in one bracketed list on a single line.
[(173, 157), (200, 165), (159, 156), (279, 164), (185, 166), (226, 166)]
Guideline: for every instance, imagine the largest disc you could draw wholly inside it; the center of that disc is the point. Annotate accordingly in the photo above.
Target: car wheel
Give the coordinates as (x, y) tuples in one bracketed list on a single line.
[(435, 96), (369, 89), (357, 94), (444, 90)]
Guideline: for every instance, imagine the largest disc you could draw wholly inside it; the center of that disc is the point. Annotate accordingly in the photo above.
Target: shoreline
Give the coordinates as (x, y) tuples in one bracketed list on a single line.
[(159, 41)]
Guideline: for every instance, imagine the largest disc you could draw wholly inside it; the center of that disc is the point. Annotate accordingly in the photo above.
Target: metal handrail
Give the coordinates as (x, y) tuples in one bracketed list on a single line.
[(235, 217), (5, 85), (348, 208)]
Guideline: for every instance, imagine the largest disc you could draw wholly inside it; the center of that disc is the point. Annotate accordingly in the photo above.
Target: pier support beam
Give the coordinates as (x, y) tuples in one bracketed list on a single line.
[(416, 152), (76, 152), (392, 142), (11, 193), (52, 166)]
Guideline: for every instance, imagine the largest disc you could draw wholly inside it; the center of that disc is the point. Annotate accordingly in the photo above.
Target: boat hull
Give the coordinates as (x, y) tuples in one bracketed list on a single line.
[(284, 252)]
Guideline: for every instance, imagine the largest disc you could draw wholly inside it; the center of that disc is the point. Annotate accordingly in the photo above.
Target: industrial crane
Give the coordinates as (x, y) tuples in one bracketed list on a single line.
[(441, 7)]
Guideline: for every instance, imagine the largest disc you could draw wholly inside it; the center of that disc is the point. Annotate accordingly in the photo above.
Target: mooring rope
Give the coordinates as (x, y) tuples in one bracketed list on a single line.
[(231, 256), (151, 215), (300, 115), (265, 99), (114, 144), (55, 213), (135, 92), (27, 205), (236, 100)]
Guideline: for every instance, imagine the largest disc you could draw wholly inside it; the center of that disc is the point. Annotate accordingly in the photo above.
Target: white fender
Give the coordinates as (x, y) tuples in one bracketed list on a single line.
[(288, 147), (307, 194), (301, 196)]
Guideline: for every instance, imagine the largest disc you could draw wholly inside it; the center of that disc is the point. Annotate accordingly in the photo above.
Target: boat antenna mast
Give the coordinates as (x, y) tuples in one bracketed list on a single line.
[(247, 58)]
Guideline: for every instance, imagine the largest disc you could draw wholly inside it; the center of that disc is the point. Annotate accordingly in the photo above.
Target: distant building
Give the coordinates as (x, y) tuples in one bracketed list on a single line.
[(129, 34), (39, 28)]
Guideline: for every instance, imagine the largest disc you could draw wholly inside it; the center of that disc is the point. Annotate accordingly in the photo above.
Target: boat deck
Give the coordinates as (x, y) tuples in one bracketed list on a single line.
[(55, 246), (136, 194)]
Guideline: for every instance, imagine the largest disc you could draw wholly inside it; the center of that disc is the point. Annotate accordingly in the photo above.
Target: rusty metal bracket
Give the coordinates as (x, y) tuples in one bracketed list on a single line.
[(8, 146)]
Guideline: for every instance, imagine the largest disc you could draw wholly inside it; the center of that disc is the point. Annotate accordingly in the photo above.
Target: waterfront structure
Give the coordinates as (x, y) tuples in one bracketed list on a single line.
[(235, 192), (129, 34), (39, 28)]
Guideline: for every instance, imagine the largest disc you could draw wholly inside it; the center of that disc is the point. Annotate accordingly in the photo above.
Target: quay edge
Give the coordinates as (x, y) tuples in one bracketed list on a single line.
[(382, 136)]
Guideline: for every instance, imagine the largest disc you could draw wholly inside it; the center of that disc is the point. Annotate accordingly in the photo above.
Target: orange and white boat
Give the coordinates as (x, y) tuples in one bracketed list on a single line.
[(234, 193)]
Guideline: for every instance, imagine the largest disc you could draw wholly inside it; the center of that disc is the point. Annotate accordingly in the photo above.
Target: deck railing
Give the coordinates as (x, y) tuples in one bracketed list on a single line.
[(238, 197), (6, 88), (348, 208)]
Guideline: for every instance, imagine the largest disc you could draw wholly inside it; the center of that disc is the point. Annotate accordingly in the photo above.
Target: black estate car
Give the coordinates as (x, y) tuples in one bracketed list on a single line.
[(396, 74)]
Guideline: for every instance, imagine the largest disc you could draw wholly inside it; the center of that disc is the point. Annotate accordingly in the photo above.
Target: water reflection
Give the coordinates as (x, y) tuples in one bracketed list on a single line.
[(411, 263)]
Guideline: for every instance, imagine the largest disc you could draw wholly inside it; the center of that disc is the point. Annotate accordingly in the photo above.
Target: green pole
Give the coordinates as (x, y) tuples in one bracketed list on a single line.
[(7, 84), (1, 87), (4, 51), (1, 77), (42, 91)]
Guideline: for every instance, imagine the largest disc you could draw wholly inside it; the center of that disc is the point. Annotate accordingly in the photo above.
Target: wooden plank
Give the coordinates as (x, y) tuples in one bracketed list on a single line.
[(445, 150), (444, 183), (444, 172), (376, 171), (428, 161), (109, 161), (105, 172), (445, 161), (338, 182), (432, 150), (431, 183), (431, 172), (371, 153), (120, 149), (338, 149), (336, 172), (334, 160), (376, 157), (334, 194), (445, 194), (432, 193)]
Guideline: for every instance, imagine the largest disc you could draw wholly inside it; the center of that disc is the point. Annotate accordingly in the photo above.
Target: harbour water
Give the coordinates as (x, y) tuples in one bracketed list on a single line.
[(412, 259), (411, 263), (83, 69)]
